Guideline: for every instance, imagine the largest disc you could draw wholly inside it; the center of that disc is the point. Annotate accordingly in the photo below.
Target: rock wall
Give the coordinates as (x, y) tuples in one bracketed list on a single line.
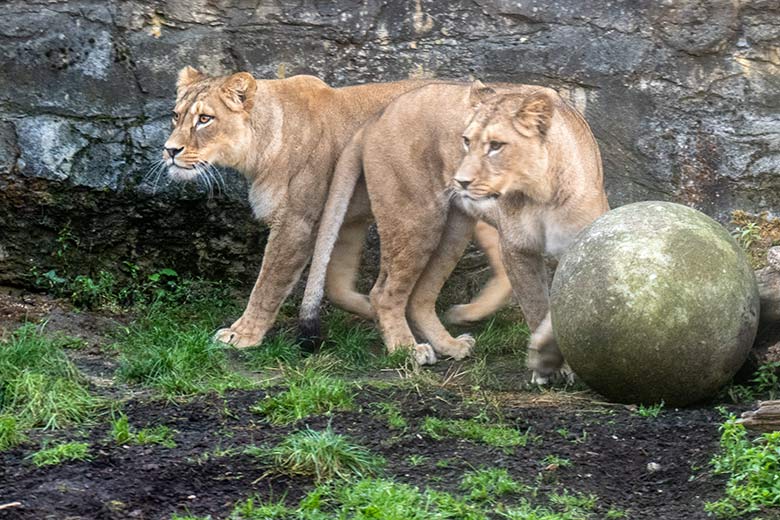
[(683, 97)]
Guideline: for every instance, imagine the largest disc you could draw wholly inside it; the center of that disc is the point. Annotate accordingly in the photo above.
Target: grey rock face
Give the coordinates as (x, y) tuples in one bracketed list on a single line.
[(655, 302), (682, 96)]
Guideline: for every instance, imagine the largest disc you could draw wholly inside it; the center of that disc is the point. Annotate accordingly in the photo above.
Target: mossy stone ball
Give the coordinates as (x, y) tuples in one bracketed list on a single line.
[(652, 302)]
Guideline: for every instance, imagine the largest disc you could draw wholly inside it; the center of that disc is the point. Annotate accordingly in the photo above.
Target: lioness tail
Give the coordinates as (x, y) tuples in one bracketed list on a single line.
[(345, 178)]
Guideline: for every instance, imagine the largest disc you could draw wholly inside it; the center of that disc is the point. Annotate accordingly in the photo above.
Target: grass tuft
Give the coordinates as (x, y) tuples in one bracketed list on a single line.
[(254, 508), (10, 432), (122, 433), (65, 452), (39, 386), (488, 484), (478, 430), (309, 392), (325, 455)]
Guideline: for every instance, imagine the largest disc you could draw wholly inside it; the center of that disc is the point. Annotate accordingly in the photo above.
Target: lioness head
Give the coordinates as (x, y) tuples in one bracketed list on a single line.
[(505, 147), (210, 123)]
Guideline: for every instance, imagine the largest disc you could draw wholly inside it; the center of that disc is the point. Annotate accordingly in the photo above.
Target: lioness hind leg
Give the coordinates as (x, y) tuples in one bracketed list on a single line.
[(496, 293), (422, 307), (343, 270), (405, 254)]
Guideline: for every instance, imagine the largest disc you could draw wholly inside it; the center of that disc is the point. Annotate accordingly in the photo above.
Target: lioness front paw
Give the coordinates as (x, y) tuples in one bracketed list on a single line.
[(423, 354), (464, 347), (563, 375), (237, 339)]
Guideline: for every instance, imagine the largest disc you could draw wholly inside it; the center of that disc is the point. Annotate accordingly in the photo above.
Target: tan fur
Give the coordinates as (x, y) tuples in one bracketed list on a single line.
[(285, 137), (533, 168), (543, 186)]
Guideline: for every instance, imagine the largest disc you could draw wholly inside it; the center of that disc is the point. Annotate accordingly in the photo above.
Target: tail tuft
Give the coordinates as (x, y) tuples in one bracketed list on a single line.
[(310, 334)]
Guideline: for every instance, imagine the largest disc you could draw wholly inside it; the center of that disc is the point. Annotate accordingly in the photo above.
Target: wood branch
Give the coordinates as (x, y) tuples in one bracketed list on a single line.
[(9, 505), (769, 287), (765, 419)]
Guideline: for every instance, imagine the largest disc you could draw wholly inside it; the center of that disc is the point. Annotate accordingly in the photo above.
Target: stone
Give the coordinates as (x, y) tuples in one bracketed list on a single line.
[(653, 302)]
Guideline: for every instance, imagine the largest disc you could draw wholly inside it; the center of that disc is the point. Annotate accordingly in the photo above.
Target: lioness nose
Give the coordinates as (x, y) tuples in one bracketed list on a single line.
[(173, 151), (464, 183)]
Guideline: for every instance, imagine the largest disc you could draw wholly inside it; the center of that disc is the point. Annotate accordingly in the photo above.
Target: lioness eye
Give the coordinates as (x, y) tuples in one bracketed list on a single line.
[(466, 142), (495, 146), (174, 116), (203, 119)]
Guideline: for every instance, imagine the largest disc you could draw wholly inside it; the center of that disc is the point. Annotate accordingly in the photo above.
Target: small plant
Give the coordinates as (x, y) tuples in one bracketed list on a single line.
[(122, 433), (746, 235), (254, 508), (489, 484), (615, 514), (393, 415), (309, 392), (416, 460), (477, 429), (10, 433), (322, 454), (65, 452), (651, 411), (554, 461), (753, 467), (443, 463)]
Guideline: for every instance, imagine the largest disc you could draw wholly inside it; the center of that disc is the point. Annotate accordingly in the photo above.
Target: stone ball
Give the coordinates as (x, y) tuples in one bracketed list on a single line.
[(654, 302)]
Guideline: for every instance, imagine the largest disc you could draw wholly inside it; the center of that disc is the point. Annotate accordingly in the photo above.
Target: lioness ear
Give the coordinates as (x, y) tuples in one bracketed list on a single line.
[(535, 115), (479, 93), (187, 76), (238, 91)]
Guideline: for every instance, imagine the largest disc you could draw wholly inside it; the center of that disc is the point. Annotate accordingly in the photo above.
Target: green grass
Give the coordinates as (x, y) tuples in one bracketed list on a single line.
[(753, 468), (382, 499), (351, 340), (478, 430), (650, 411), (65, 452), (504, 333), (39, 386), (170, 349), (489, 484), (324, 455), (310, 391), (123, 433), (279, 350), (254, 508), (11, 433)]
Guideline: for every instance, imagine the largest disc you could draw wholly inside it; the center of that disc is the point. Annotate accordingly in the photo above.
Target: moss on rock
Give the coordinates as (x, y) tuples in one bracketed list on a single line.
[(655, 301)]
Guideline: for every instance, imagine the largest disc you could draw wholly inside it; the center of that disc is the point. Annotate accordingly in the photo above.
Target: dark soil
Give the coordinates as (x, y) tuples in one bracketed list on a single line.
[(609, 447)]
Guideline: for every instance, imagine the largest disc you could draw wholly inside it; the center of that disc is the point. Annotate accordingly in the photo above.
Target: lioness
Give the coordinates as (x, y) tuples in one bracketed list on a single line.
[(531, 168), (285, 136)]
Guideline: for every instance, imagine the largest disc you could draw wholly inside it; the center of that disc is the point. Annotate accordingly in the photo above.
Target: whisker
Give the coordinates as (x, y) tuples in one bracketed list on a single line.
[(217, 174)]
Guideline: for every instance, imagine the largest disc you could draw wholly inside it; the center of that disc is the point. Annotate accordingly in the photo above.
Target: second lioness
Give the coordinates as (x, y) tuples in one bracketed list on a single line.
[(285, 136), (531, 168)]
